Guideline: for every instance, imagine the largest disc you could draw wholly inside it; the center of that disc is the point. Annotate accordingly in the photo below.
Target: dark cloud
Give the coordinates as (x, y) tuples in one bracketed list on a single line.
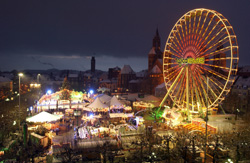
[(43, 63), (103, 28)]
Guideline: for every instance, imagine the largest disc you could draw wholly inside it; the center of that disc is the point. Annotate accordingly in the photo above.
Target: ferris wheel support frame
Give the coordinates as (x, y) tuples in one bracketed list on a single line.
[(171, 87), (187, 94)]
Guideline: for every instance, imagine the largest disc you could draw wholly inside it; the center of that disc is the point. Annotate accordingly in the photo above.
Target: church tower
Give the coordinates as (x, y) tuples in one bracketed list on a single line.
[(93, 65), (155, 52), (155, 58)]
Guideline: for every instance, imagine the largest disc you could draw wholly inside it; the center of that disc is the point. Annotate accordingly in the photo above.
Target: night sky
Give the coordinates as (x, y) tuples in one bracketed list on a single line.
[(64, 34)]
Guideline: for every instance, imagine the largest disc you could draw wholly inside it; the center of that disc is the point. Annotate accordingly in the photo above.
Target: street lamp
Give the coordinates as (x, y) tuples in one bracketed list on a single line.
[(19, 75), (38, 76)]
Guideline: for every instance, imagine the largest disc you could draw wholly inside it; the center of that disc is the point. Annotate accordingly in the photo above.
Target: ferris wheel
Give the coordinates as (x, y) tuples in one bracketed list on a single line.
[(200, 60)]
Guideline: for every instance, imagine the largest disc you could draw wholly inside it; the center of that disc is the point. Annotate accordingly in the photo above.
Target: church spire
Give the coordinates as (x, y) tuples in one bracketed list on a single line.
[(157, 40)]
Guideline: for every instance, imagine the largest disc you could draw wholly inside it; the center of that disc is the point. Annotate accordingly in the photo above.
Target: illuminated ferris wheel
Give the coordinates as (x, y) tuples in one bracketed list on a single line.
[(200, 60)]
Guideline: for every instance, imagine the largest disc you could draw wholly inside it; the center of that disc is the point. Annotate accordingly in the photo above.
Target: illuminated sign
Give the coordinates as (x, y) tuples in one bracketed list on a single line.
[(181, 61)]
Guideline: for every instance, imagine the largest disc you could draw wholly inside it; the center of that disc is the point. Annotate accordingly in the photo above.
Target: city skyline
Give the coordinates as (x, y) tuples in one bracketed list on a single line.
[(64, 35)]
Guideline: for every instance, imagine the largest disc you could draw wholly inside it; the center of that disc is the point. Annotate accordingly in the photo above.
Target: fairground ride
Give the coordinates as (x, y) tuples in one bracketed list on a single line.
[(200, 61)]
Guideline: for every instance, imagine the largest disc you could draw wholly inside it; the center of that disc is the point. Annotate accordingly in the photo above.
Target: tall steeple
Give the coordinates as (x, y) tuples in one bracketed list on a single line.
[(157, 40), (93, 65), (155, 52)]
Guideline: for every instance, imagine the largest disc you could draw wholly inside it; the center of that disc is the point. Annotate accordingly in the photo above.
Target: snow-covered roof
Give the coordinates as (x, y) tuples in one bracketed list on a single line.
[(87, 74), (155, 70), (141, 74), (150, 98), (243, 81), (131, 96), (117, 68), (105, 81), (127, 70), (160, 86), (73, 76), (245, 69), (4, 79), (7, 75), (134, 81), (152, 51)]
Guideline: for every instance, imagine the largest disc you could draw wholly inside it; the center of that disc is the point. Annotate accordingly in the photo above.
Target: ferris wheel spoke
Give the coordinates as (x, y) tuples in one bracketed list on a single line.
[(182, 85), (209, 88), (216, 44), (196, 91), (171, 53), (219, 82), (215, 39), (206, 40), (178, 39), (186, 30), (198, 25), (216, 66), (182, 94), (206, 29), (202, 30), (173, 74), (215, 73), (222, 50), (170, 46), (205, 93), (176, 46), (178, 89), (183, 34), (208, 35), (171, 69), (199, 89), (193, 27), (205, 14), (215, 87), (189, 29)]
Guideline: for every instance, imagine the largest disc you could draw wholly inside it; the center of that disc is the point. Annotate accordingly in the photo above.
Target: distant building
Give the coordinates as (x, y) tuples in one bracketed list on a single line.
[(93, 65), (114, 72), (6, 87), (239, 96), (126, 75), (76, 81)]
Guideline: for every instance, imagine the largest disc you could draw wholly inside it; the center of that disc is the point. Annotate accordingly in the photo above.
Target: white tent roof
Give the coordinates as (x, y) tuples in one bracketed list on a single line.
[(43, 117), (103, 97), (97, 104), (150, 98), (115, 101)]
